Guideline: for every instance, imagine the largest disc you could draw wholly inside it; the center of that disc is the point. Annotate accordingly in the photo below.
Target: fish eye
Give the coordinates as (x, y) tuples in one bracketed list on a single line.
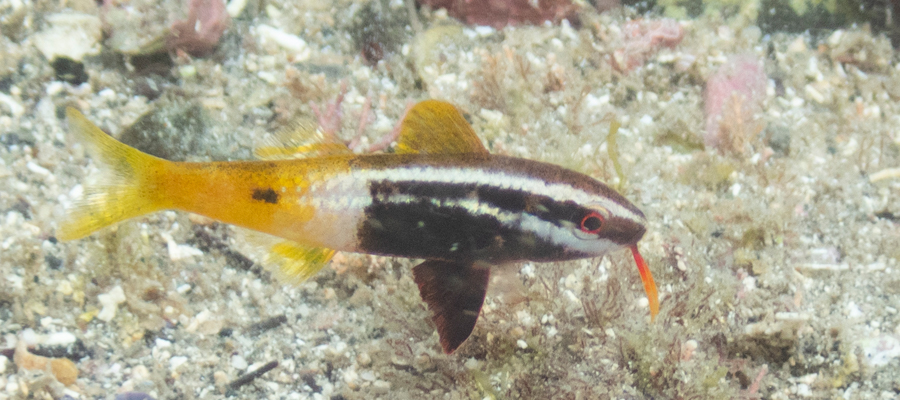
[(592, 223)]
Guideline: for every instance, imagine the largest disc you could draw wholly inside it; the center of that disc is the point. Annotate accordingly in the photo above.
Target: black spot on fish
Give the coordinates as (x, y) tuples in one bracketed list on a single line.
[(267, 195)]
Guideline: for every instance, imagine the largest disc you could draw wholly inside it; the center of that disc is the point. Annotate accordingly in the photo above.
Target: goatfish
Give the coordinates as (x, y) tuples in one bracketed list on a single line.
[(440, 197)]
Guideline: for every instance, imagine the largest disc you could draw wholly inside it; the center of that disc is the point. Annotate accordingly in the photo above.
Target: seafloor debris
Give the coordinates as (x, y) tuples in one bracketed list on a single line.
[(745, 253), (63, 369), (886, 173), (267, 324), (68, 70), (199, 34), (110, 302), (643, 38), (66, 40), (145, 27), (378, 31), (160, 131), (250, 376), (500, 13), (860, 48), (134, 396), (70, 35), (273, 38)]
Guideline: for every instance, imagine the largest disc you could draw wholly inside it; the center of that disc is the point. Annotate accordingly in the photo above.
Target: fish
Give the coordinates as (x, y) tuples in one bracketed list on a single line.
[(440, 197)]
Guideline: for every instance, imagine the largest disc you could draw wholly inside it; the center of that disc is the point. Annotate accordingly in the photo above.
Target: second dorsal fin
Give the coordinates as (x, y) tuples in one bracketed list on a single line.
[(301, 139), (437, 127)]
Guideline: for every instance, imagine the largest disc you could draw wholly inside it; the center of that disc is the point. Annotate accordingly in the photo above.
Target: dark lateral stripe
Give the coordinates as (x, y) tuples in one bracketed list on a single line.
[(508, 200), (498, 166), (423, 229)]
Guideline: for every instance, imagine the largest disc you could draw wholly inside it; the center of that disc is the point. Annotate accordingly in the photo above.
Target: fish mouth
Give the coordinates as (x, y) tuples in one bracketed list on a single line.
[(624, 232)]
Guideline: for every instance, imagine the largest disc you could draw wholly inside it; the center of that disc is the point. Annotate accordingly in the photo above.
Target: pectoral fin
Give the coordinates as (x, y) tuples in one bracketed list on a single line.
[(454, 293), (437, 127)]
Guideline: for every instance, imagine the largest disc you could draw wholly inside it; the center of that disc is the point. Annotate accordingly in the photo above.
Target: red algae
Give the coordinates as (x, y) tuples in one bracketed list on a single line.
[(733, 99), (643, 38), (199, 34)]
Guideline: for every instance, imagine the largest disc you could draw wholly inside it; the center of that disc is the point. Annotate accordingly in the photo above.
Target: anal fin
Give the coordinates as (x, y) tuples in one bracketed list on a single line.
[(454, 293), (295, 263)]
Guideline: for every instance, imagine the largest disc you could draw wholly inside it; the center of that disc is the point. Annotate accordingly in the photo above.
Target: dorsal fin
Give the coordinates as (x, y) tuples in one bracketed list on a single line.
[(437, 127), (301, 139)]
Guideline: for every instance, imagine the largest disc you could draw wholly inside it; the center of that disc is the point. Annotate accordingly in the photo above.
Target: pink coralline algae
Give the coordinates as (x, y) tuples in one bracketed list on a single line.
[(500, 13), (734, 99), (643, 38), (199, 34)]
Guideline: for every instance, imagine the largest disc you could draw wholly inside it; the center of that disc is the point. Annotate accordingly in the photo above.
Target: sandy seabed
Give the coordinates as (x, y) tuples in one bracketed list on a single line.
[(773, 223)]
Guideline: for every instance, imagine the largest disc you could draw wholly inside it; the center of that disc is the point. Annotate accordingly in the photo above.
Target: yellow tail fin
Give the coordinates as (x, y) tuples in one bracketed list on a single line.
[(129, 190)]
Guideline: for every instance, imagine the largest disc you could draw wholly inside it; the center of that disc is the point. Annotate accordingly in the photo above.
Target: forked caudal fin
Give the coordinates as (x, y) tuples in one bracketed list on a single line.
[(129, 190)]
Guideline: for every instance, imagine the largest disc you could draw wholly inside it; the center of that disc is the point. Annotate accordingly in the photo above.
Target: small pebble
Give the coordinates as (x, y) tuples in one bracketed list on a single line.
[(179, 251), (351, 378), (236, 7), (65, 288), (110, 302), (364, 359), (287, 41), (220, 377), (68, 34), (424, 362), (399, 362), (140, 373), (176, 362), (367, 376), (33, 167), (381, 387), (59, 339), (134, 396), (238, 362), (517, 332), (687, 349)]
